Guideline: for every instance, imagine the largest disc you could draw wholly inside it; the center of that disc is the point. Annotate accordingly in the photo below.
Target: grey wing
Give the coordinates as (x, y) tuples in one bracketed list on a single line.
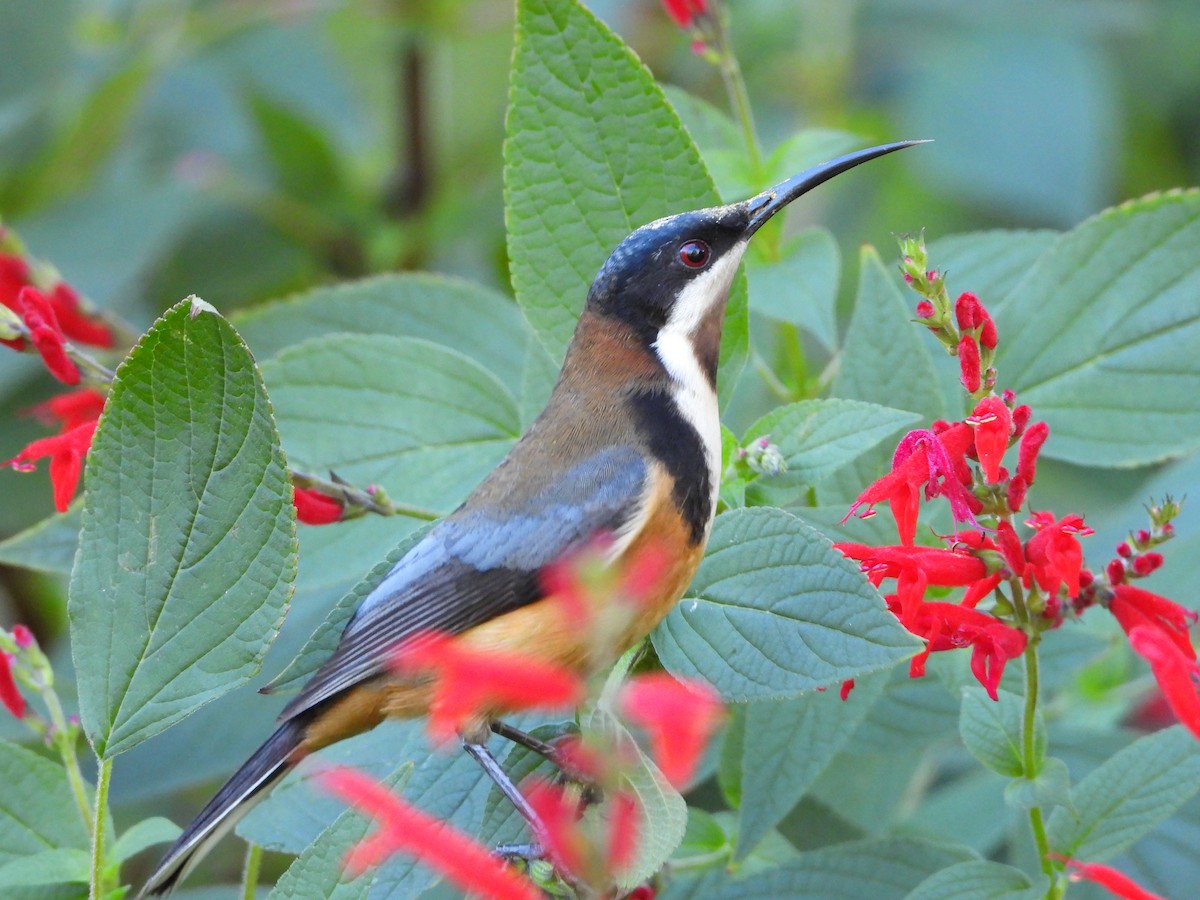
[(478, 564)]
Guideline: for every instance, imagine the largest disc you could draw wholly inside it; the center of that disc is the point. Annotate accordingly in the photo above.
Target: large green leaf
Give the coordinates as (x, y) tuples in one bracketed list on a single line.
[(1156, 774), (989, 264), (979, 879), (800, 286), (48, 546), (188, 548), (788, 744), (886, 359), (880, 870), (475, 321), (1100, 337), (593, 151), (37, 811), (420, 419), (817, 437), (991, 730), (774, 610)]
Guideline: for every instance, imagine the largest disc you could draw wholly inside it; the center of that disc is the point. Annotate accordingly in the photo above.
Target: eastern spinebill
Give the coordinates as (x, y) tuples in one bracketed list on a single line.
[(629, 445)]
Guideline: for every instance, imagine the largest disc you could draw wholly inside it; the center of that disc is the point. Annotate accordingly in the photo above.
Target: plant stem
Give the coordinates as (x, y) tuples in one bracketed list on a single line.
[(1037, 822), (735, 87), (98, 888), (64, 740), (253, 861)]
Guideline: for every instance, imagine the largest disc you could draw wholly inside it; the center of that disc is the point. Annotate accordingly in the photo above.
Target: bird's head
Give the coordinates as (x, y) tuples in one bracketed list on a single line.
[(672, 276)]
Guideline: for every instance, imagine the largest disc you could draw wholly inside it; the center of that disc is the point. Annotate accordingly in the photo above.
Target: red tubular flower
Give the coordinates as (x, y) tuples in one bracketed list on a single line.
[(1031, 445), (936, 461), (75, 323), (559, 815), (406, 829), (316, 508), (46, 335), (70, 409), (1010, 547), (9, 695), (14, 275), (623, 827), (993, 424), (1174, 670), (472, 684), (684, 11), (969, 364), (678, 717), (1117, 883), (1054, 554), (948, 626), (66, 452), (941, 567), (1135, 607)]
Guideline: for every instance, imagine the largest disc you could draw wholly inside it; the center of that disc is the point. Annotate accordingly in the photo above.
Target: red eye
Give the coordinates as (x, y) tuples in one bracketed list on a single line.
[(694, 254)]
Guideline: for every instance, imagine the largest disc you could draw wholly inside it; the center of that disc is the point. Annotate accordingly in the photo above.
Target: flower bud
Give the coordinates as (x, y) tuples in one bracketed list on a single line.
[(968, 361), (925, 310), (1115, 572), (23, 636), (1147, 563), (1123, 549), (1017, 489), (1031, 445), (1143, 538), (1020, 418), (967, 311)]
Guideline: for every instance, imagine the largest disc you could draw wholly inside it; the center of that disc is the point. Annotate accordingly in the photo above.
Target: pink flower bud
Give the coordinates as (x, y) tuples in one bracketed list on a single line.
[(1115, 572), (23, 636), (968, 361), (987, 334), (908, 279), (1031, 445), (1147, 563), (924, 308), (1143, 537), (1123, 549), (1009, 396), (967, 311), (1020, 418), (1086, 578), (1017, 489)]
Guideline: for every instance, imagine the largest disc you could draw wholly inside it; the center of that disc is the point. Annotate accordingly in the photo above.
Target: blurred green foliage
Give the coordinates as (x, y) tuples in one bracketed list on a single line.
[(245, 149)]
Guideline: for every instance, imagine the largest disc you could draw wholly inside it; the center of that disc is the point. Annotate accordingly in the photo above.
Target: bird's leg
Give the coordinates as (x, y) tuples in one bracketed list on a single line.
[(479, 752), (590, 793), (526, 740)]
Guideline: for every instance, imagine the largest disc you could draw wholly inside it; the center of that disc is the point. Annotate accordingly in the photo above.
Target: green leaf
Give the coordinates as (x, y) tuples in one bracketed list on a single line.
[(592, 152), (991, 730), (320, 646), (879, 869), (48, 546), (1099, 337), (980, 879), (188, 545), (774, 610), (1127, 796), (305, 164), (661, 805), (808, 148), (793, 741), (1051, 787), (475, 321), (801, 285), (424, 421), (146, 833), (721, 143), (37, 809), (318, 871), (886, 359), (62, 865), (818, 437), (989, 264)]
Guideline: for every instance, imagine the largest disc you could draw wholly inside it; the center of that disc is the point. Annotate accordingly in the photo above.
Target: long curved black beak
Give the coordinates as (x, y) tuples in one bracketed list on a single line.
[(769, 202)]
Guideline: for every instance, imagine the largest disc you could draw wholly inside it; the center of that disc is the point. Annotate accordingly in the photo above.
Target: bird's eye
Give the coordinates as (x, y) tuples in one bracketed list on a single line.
[(694, 254)]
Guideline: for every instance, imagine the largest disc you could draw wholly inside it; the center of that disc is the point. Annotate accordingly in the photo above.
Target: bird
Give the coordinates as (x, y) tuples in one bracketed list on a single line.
[(628, 446)]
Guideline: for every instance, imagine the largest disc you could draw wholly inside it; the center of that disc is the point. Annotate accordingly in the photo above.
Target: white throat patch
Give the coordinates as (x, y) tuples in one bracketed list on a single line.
[(693, 395)]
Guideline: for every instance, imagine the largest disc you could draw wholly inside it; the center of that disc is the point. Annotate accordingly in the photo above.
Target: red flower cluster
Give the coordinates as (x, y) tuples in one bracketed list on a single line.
[(944, 626), (679, 718), (405, 829), (50, 319), (569, 847), (78, 412)]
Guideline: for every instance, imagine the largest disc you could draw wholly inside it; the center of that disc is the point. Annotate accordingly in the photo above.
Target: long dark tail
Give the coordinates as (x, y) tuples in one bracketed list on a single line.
[(249, 784)]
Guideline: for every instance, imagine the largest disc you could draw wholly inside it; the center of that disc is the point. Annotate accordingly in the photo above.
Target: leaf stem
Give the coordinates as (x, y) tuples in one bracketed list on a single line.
[(98, 886), (64, 741), (250, 878)]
